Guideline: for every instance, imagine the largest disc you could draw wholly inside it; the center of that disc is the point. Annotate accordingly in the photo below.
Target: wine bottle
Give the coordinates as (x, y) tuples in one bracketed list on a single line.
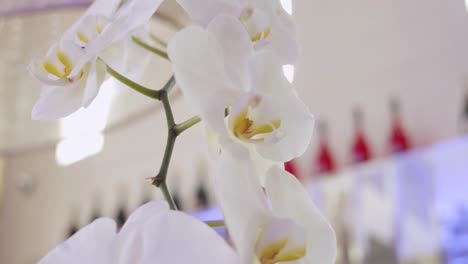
[(324, 162), (290, 167), (399, 141), (360, 150), (202, 197), (464, 116)]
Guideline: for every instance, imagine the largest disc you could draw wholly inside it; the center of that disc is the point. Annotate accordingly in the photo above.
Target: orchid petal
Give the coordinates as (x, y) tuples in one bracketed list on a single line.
[(197, 62), (296, 120), (289, 199), (203, 11), (199, 242), (236, 47), (92, 244), (132, 236), (262, 165), (240, 196), (38, 71), (94, 81), (283, 41), (103, 8), (143, 214), (58, 101), (128, 18)]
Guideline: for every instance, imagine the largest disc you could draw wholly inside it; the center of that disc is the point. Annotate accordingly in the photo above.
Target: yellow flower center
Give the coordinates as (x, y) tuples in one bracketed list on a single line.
[(63, 69), (280, 240), (245, 128), (274, 253), (256, 24), (90, 28)]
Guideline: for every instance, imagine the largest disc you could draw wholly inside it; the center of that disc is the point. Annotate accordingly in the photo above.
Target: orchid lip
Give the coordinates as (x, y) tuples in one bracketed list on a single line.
[(254, 119), (280, 240)]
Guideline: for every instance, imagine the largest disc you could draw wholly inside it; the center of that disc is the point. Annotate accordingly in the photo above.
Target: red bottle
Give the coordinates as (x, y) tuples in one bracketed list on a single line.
[(399, 141), (290, 167), (360, 151), (463, 123), (325, 161)]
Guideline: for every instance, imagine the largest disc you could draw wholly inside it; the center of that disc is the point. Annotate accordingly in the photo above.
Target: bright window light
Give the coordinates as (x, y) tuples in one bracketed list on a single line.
[(287, 5), (92, 119), (288, 71), (74, 149), (81, 131)]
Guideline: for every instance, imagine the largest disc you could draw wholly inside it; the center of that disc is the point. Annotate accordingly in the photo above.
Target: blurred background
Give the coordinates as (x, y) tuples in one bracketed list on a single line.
[(386, 80)]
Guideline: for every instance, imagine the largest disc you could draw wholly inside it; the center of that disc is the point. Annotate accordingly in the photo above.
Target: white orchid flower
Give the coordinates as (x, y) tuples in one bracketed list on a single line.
[(71, 73), (292, 231), (152, 234), (265, 21), (217, 70)]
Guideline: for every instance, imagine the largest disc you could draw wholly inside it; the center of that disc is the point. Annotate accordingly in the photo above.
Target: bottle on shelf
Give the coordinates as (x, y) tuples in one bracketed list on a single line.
[(202, 197), (290, 166), (74, 225), (121, 216), (399, 141), (360, 151), (324, 162), (464, 116)]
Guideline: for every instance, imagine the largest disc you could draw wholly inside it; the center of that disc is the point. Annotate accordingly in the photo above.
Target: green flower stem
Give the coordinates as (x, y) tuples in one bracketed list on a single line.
[(167, 195), (173, 129), (186, 125), (150, 48), (135, 86), (215, 223), (158, 40), (168, 86)]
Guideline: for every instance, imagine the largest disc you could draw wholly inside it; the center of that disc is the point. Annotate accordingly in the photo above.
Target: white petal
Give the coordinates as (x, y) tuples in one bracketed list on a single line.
[(92, 244), (213, 142), (283, 41), (129, 18), (57, 102), (94, 81), (261, 164), (240, 196), (175, 237), (203, 11), (296, 120), (282, 38), (98, 8), (127, 58), (134, 15), (289, 199), (132, 236), (103, 7), (143, 214), (36, 69), (197, 62), (236, 47)]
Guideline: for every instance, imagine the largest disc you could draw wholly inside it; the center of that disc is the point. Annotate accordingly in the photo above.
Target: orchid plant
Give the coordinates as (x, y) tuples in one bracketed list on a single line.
[(231, 74)]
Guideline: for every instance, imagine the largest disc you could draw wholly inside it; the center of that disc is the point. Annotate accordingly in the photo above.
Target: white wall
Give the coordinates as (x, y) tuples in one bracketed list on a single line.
[(364, 51)]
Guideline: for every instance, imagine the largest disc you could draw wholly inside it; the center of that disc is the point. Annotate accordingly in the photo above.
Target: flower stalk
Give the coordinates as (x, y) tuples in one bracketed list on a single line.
[(215, 223), (135, 86), (150, 48), (186, 124), (173, 129), (158, 40)]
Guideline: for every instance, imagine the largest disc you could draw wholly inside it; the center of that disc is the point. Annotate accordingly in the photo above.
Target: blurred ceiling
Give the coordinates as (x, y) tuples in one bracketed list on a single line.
[(28, 27)]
